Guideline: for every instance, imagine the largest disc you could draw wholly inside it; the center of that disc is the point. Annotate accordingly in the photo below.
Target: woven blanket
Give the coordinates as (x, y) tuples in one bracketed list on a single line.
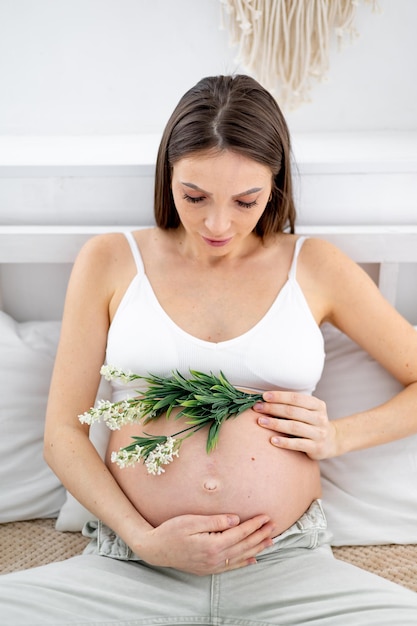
[(29, 544)]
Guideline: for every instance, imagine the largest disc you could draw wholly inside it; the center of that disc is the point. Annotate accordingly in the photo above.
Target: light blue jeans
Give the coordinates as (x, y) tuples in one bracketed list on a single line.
[(297, 581)]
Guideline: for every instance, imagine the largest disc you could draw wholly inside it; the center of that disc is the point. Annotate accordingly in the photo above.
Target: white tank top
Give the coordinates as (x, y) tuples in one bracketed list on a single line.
[(284, 350)]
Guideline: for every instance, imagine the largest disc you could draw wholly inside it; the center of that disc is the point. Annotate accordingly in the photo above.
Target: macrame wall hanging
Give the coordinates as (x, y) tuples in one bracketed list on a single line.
[(286, 43)]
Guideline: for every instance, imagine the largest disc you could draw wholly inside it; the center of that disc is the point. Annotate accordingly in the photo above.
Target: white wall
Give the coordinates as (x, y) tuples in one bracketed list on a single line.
[(113, 70), (119, 66)]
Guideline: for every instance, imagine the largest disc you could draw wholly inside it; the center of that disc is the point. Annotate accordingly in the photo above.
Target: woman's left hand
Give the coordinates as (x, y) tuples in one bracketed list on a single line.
[(299, 422)]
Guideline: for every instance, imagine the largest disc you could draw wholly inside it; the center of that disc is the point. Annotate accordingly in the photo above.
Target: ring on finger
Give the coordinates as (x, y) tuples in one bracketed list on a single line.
[(227, 562)]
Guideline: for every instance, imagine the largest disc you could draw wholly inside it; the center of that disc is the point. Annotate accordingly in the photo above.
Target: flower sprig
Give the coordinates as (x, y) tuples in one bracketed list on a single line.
[(206, 400)]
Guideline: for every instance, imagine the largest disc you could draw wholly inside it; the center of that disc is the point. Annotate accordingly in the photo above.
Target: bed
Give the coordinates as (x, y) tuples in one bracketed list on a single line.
[(370, 497)]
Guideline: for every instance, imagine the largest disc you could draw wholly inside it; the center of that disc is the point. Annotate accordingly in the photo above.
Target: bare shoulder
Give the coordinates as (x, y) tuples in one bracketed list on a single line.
[(323, 251), (335, 283), (102, 253), (326, 263), (104, 248), (103, 265)]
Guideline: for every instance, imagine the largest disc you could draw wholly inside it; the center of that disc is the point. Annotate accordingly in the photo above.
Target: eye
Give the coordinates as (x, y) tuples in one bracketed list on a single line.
[(246, 205), (193, 199)]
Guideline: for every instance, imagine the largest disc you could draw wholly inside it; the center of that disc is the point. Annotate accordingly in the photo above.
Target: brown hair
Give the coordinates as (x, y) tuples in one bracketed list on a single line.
[(228, 113)]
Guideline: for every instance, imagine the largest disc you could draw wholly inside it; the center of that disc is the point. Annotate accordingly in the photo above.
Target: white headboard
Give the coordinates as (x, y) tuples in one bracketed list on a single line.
[(25, 249)]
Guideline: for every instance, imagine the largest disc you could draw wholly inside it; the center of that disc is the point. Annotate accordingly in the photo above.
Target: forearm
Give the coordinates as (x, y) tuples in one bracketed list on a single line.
[(77, 464), (390, 421)]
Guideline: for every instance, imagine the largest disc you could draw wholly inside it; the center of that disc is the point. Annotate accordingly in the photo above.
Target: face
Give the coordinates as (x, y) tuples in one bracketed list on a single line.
[(220, 197)]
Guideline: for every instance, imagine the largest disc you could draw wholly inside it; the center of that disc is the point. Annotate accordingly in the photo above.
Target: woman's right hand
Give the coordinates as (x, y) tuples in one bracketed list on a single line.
[(206, 544)]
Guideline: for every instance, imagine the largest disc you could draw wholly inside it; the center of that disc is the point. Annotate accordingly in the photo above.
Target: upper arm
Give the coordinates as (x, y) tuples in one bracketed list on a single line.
[(93, 285), (352, 302)]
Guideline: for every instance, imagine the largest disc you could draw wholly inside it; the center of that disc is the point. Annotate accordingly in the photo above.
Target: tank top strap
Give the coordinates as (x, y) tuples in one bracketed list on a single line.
[(293, 269), (135, 252)]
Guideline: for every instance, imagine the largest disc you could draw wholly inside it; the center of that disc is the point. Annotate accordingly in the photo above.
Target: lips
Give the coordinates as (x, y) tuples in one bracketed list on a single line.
[(217, 243)]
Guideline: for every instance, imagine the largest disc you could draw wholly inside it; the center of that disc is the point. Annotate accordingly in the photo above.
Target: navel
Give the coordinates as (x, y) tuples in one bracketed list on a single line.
[(210, 484)]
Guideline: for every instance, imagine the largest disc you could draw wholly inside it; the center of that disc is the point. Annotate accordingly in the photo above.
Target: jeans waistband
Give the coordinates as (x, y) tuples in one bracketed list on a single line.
[(308, 531)]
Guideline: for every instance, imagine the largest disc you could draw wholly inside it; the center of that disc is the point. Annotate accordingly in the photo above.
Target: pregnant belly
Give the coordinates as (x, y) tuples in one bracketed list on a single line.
[(244, 475)]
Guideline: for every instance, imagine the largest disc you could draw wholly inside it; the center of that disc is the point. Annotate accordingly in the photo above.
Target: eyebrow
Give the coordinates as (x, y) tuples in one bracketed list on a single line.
[(248, 192)]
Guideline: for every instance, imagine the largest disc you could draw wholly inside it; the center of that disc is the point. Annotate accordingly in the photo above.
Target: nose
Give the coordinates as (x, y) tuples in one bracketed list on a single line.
[(217, 221)]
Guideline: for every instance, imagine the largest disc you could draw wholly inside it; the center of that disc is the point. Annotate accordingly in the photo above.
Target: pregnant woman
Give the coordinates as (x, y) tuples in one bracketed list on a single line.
[(221, 284)]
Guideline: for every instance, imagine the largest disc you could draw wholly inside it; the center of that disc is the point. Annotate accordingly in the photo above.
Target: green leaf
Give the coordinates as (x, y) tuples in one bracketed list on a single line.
[(206, 400)]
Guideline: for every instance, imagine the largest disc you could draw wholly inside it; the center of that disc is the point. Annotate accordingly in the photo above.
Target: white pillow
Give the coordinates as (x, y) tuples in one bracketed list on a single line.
[(369, 496), (28, 488)]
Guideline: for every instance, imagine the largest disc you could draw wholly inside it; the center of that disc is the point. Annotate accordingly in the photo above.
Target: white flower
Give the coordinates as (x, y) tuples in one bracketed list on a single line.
[(162, 455), (123, 458), (101, 411), (93, 415), (110, 372), (115, 415)]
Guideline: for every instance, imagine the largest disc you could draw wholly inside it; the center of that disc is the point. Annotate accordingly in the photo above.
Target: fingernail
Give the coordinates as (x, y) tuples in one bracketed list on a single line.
[(258, 406), (275, 440), (263, 421)]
